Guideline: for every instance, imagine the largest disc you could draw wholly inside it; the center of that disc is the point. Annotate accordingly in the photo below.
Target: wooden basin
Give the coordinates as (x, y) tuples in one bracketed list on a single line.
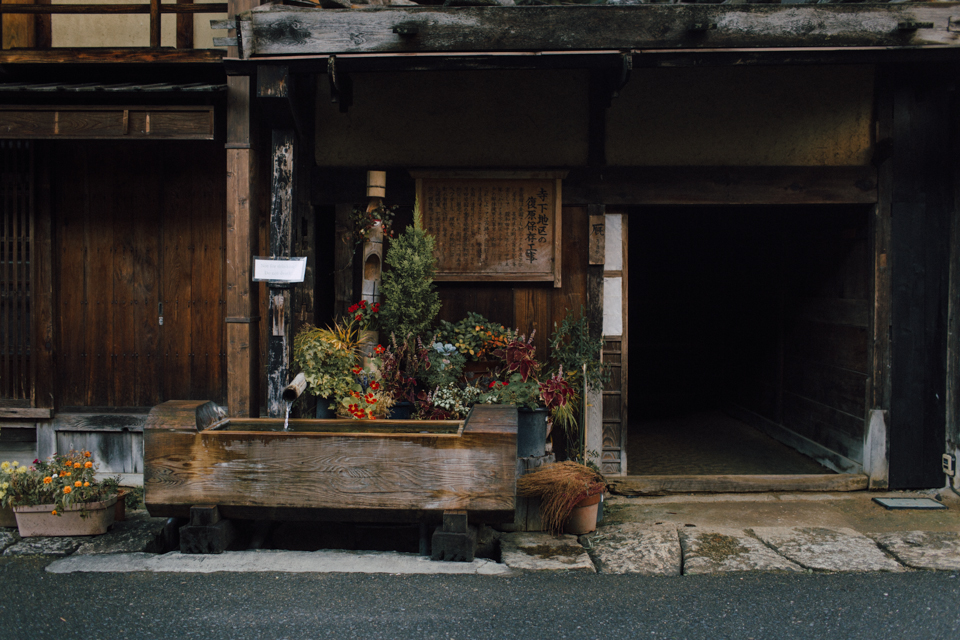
[(347, 470)]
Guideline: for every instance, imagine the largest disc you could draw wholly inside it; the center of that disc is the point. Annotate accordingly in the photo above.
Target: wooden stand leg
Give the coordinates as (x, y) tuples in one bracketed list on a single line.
[(456, 540), (206, 532)]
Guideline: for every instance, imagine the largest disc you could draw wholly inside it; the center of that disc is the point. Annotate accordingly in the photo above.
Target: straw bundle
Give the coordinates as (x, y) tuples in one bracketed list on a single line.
[(560, 486)]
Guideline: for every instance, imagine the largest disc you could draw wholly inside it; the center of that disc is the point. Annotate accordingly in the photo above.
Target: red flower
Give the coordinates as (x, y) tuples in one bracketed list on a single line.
[(357, 370), (363, 304), (493, 384), (371, 399), (375, 308), (375, 385), (353, 309), (358, 317), (379, 350)]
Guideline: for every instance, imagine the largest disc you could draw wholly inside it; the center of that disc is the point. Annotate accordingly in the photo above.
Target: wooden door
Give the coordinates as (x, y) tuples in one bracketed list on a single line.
[(16, 243), (139, 228)]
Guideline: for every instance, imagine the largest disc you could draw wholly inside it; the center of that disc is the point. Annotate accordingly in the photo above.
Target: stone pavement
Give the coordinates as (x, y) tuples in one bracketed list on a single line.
[(669, 536)]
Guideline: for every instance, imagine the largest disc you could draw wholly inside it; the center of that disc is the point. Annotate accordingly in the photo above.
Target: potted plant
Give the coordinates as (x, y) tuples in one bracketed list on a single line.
[(578, 353), (535, 399), (569, 495), (327, 358), (60, 497)]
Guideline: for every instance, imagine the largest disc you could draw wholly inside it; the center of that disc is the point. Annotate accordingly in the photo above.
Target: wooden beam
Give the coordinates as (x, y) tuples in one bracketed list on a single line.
[(280, 103), (108, 122), (283, 30), (111, 56), (616, 186), (659, 485), (25, 413)]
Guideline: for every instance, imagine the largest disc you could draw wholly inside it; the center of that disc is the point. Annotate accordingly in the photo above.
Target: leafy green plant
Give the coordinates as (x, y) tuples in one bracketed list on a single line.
[(474, 336), (327, 357), (445, 365), (410, 299), (572, 347)]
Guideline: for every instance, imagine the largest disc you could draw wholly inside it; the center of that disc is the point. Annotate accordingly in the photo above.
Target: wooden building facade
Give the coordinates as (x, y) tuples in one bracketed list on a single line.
[(759, 208)]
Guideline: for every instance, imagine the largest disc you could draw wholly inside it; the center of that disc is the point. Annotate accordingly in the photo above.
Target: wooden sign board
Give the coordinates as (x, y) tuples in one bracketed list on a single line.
[(495, 226)]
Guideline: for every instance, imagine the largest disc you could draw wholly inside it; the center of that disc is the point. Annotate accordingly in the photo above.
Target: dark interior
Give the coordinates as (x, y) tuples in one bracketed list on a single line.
[(760, 309)]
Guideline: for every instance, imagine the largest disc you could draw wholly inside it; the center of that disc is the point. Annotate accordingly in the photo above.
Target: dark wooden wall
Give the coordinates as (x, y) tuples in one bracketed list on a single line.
[(139, 225)]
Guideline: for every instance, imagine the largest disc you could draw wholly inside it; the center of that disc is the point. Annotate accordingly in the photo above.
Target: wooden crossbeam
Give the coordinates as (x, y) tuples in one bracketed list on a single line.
[(281, 30)]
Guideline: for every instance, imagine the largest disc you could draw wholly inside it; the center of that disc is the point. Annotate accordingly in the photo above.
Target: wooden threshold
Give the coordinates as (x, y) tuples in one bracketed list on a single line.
[(660, 485)]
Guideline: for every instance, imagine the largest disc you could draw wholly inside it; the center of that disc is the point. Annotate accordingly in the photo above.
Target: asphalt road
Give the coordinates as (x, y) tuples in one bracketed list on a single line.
[(550, 606)]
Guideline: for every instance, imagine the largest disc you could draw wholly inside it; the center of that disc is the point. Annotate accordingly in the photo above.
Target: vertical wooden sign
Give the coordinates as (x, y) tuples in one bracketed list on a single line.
[(494, 226)]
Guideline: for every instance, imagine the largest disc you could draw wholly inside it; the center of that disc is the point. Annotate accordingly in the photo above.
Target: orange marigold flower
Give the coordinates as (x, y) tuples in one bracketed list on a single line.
[(54, 512), (77, 465), (78, 484), (47, 480), (86, 484), (66, 473), (86, 454), (67, 489), (88, 464)]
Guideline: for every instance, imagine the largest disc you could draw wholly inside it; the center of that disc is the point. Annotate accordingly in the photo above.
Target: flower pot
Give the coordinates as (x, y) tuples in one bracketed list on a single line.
[(7, 519), (583, 518), (323, 409), (401, 411), (531, 432), (38, 520)]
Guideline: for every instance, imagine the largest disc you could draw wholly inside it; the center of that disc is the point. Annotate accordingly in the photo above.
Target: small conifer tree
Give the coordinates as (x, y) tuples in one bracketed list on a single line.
[(410, 299)]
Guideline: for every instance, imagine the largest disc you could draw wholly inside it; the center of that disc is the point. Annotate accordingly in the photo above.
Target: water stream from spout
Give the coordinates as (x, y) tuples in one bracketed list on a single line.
[(286, 420)]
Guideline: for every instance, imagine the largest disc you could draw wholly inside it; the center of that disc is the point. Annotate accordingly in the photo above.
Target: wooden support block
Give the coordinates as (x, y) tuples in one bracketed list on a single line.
[(453, 546), (455, 521), (212, 539), (204, 515)]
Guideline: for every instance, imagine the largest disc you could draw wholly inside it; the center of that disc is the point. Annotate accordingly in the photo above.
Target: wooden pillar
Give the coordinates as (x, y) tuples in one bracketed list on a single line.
[(283, 143), (241, 297), (920, 209), (596, 258)]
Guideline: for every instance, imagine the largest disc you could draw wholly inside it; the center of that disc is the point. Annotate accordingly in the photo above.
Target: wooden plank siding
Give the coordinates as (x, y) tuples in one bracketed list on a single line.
[(140, 237)]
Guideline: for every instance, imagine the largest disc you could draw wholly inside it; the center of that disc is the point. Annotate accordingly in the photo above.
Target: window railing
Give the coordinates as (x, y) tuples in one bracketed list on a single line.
[(41, 39)]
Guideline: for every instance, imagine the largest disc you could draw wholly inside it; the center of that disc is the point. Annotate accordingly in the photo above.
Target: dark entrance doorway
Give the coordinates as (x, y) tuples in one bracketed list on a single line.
[(748, 341)]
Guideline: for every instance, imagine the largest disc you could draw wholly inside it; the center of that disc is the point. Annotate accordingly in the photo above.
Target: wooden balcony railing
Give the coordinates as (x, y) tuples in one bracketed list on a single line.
[(41, 36)]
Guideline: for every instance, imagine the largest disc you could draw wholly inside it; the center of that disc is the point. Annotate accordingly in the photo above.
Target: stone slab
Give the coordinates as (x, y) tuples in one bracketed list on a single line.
[(935, 550), (8, 538), (531, 551), (273, 561), (825, 549), (719, 550), (137, 533), (649, 549), (60, 546)]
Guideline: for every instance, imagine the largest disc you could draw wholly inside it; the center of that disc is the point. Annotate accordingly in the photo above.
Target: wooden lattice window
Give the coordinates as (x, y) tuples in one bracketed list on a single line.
[(16, 249)]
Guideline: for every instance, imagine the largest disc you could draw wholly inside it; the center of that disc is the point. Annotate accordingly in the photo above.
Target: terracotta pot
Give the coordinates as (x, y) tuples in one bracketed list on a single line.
[(583, 518), (38, 521)]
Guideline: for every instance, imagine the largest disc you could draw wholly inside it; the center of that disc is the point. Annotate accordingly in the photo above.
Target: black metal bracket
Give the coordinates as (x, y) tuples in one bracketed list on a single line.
[(341, 85)]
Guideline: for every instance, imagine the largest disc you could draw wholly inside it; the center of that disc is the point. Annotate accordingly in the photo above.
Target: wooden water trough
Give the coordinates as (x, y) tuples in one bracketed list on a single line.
[(338, 470)]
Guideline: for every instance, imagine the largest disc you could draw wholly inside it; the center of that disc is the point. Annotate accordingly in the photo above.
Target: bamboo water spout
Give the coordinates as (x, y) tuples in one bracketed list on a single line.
[(293, 390)]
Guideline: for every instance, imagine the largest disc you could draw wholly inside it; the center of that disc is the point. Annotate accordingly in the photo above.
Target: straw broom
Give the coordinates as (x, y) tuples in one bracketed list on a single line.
[(560, 486)]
